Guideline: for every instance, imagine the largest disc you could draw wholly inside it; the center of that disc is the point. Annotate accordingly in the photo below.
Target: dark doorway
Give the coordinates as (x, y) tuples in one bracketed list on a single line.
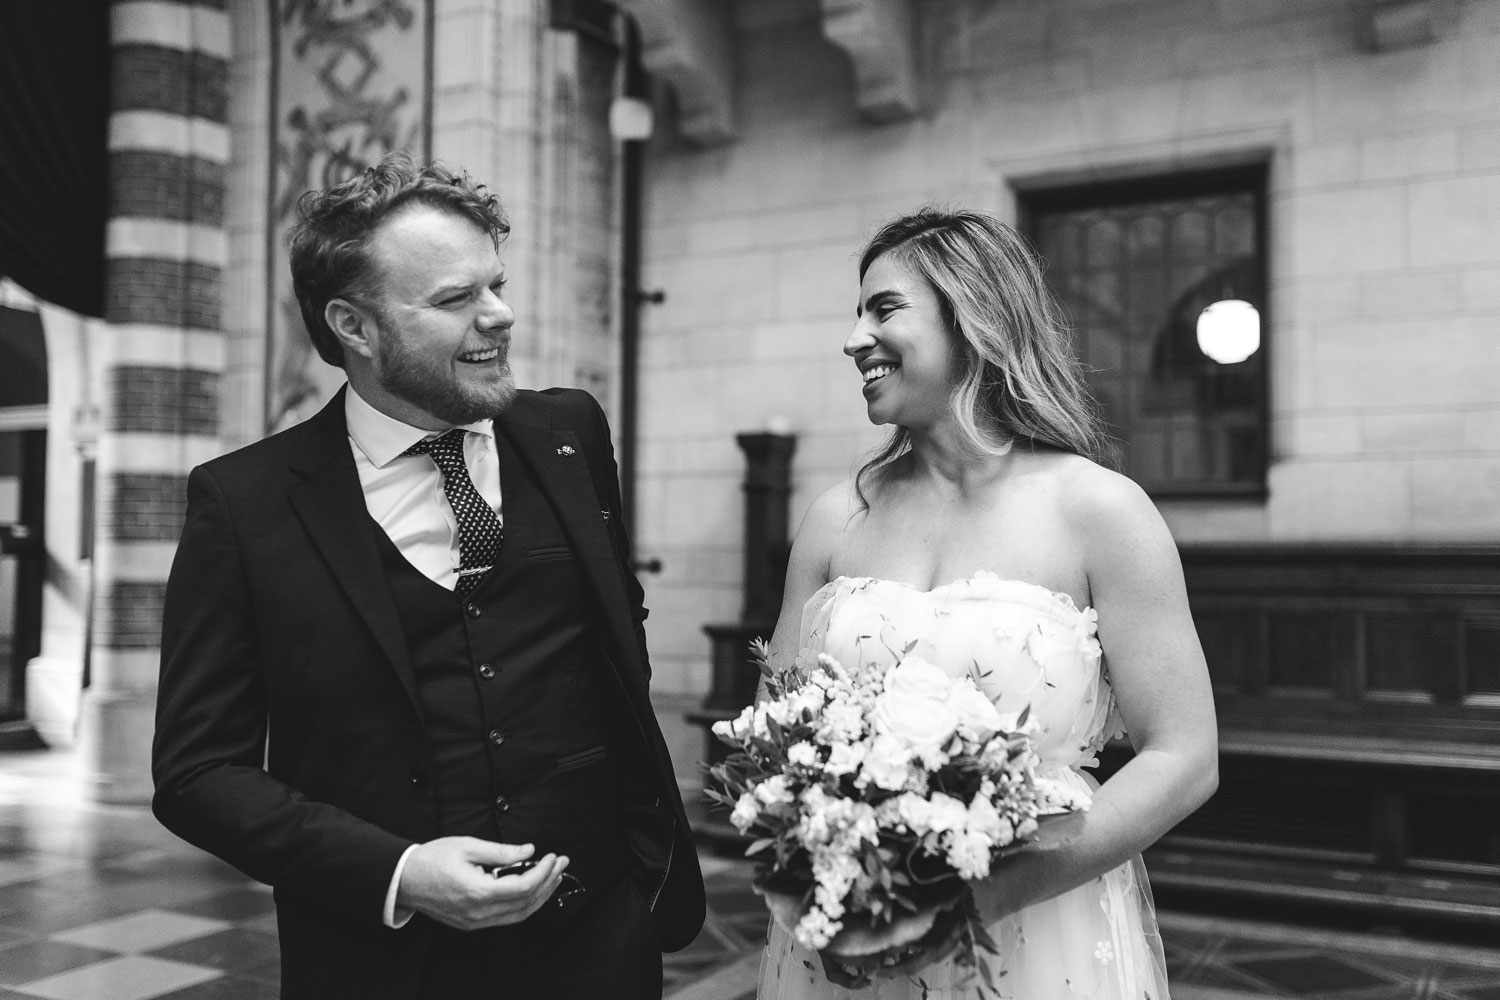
[(23, 478)]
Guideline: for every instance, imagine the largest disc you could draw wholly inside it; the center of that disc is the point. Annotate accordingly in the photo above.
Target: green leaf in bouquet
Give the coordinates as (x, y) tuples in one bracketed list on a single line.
[(778, 733), (983, 939), (767, 749), (760, 845)]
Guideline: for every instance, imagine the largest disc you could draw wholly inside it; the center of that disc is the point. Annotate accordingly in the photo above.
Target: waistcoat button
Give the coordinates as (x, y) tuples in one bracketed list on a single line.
[(473, 610), (486, 671), (496, 737), (502, 804), (419, 775)]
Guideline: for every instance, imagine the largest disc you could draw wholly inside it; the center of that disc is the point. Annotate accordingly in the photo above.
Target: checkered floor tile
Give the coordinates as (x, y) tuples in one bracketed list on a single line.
[(99, 903)]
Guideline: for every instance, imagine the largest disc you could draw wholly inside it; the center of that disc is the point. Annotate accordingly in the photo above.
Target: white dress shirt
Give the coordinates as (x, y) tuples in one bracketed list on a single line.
[(404, 494)]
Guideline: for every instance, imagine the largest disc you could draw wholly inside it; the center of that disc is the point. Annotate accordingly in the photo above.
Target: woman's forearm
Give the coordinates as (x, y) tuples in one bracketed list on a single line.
[(1147, 797)]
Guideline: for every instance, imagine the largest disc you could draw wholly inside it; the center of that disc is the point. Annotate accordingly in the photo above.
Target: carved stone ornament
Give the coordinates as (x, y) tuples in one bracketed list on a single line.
[(880, 38), (689, 44), (1399, 24)]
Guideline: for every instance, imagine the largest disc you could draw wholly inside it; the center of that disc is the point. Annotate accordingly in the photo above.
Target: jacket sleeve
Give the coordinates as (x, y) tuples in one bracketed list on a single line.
[(208, 755)]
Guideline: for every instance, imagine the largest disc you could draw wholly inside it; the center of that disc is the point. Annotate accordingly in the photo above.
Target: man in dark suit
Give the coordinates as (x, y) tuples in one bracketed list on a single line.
[(402, 647)]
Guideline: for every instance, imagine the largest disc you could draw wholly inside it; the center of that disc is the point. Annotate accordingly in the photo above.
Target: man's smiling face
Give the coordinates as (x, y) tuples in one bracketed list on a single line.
[(441, 333)]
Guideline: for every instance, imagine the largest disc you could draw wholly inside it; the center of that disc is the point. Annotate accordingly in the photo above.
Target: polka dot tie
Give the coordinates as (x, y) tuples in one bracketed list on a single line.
[(479, 533)]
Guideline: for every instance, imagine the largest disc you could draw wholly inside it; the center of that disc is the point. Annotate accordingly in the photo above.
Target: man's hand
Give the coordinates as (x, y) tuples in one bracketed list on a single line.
[(449, 880)]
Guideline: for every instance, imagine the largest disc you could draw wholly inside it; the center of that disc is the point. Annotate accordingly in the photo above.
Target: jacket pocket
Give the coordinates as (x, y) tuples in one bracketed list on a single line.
[(582, 758)]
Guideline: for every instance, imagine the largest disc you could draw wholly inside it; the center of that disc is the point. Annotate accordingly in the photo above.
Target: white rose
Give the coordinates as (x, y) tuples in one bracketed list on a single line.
[(975, 711), (915, 678), (888, 763), (922, 723)]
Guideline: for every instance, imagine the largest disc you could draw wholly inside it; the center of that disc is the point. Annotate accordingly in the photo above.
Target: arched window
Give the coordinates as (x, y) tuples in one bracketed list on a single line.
[(1135, 264)]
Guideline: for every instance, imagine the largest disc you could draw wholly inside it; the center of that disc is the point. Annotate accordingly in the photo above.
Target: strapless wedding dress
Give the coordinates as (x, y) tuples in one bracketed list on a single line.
[(1024, 645)]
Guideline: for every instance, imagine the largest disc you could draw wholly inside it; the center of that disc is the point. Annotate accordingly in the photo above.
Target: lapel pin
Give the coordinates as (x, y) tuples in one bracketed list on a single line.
[(605, 513), (565, 450)]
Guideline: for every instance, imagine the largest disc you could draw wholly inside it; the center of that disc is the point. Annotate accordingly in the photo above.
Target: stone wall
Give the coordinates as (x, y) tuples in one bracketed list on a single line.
[(1384, 326)]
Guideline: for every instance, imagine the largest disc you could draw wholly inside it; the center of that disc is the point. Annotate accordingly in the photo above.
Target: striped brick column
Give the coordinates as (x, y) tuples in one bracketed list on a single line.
[(166, 247)]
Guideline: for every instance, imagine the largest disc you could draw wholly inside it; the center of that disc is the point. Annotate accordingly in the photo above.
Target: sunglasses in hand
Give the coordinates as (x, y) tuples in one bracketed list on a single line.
[(569, 890)]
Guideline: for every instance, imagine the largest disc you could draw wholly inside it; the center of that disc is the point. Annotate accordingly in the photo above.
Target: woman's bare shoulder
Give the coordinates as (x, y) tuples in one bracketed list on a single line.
[(1110, 513), (831, 511), (1090, 496)]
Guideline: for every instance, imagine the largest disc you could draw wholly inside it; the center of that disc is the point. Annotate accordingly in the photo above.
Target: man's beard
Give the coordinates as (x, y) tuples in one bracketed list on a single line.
[(424, 383)]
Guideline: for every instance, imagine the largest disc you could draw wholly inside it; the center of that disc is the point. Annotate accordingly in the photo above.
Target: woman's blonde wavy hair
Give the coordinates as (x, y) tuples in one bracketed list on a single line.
[(1021, 380)]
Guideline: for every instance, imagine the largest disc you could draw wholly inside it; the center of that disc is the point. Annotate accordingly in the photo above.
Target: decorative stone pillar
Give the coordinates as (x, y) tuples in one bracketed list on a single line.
[(768, 487), (165, 244)]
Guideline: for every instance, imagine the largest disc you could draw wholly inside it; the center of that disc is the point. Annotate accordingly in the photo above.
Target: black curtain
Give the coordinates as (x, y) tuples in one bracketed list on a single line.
[(54, 119)]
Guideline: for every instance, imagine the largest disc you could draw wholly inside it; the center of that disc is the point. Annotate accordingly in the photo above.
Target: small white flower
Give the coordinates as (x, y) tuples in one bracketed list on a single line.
[(775, 789), (915, 812), (746, 812), (947, 813), (815, 930), (738, 728), (803, 754), (845, 758), (969, 854), (809, 698), (843, 722), (1104, 952)]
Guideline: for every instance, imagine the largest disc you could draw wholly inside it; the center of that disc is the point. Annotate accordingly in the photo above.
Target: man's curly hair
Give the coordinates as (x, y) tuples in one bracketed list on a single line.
[(330, 240)]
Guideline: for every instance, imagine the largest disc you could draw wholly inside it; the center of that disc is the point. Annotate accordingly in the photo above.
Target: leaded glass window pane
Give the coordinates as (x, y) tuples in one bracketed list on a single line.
[(1133, 265)]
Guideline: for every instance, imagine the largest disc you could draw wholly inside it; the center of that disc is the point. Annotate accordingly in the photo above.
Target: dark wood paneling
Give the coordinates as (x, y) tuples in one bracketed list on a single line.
[(1358, 695)]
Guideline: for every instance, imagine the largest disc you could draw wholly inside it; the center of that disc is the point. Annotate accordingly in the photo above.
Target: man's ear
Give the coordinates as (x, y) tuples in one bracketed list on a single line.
[(351, 326)]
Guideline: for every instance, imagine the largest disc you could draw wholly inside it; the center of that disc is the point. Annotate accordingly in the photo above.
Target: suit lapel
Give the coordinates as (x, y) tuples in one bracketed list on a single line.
[(331, 504), (555, 457)]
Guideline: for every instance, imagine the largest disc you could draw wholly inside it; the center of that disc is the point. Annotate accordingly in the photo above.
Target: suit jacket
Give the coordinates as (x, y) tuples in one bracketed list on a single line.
[(289, 735)]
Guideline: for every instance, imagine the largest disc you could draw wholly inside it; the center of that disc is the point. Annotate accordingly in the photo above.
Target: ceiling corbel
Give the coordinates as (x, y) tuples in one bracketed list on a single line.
[(880, 39), (689, 44), (1399, 24)]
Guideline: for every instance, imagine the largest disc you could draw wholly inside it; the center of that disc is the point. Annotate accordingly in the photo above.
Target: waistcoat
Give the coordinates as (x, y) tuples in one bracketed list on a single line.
[(510, 680)]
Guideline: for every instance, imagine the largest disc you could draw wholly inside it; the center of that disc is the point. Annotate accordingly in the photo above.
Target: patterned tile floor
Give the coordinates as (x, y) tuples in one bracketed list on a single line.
[(99, 903)]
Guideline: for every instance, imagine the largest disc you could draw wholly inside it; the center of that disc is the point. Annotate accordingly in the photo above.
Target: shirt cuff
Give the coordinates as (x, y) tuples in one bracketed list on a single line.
[(393, 919)]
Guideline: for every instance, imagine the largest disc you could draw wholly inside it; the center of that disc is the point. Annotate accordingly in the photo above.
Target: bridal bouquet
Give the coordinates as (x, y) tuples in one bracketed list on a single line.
[(876, 796)]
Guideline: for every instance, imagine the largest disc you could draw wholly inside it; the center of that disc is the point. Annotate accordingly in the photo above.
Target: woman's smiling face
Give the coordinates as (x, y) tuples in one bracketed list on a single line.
[(909, 359)]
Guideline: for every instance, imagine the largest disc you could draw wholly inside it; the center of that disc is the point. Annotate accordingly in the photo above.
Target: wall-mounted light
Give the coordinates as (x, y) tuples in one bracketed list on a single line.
[(1229, 331), (630, 119)]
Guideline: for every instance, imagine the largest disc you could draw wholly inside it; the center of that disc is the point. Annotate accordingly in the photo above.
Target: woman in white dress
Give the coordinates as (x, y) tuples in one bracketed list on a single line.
[(985, 532)]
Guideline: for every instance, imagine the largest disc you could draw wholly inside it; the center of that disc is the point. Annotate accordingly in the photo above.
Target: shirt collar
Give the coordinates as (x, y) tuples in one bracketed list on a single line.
[(383, 438)]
